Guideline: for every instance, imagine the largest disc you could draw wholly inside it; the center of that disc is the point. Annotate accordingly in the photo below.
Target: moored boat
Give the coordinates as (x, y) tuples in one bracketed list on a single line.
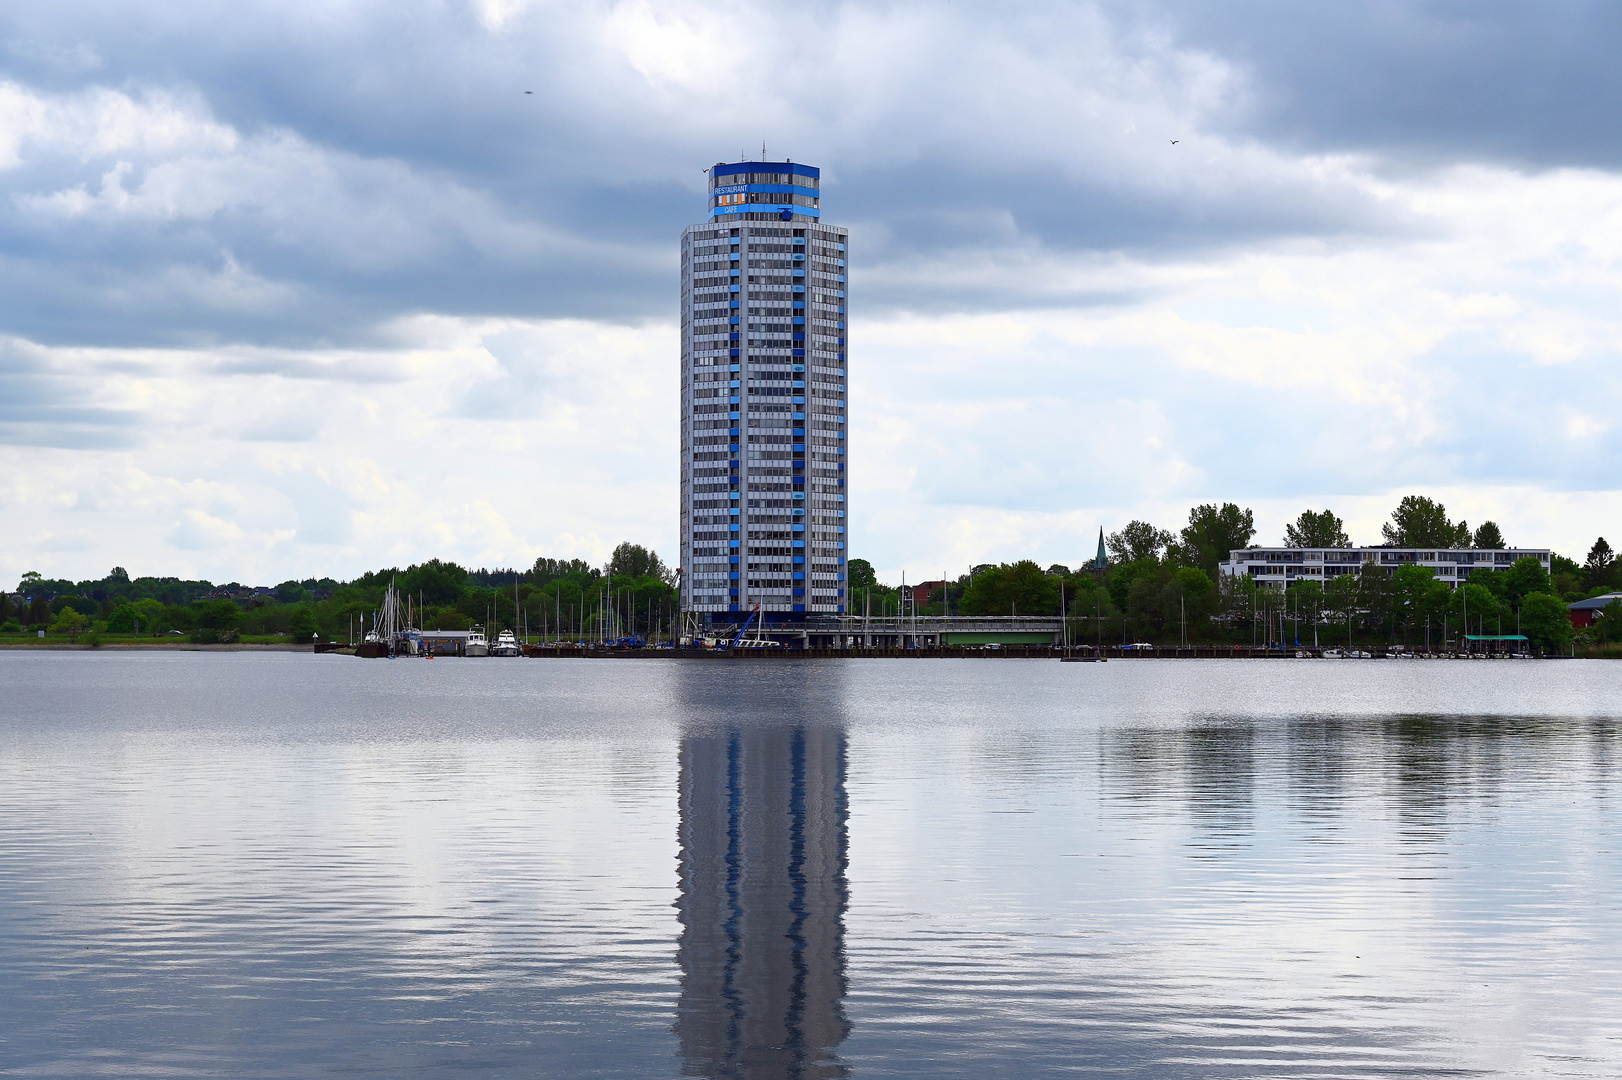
[(477, 643), (506, 645)]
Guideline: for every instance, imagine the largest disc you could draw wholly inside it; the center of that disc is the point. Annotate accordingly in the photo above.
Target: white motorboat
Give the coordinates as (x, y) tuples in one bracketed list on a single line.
[(477, 644), (1334, 654), (506, 645)]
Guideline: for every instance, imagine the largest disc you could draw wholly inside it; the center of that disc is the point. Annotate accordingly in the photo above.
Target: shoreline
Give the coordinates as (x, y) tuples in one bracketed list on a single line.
[(152, 646), (542, 652)]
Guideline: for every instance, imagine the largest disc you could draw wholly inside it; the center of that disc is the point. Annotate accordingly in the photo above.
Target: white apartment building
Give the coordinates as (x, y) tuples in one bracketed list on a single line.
[(763, 376), (1283, 565)]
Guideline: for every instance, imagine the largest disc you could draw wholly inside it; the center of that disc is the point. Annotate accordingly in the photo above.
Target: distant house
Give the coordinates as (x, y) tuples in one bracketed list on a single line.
[(923, 591), (1583, 612)]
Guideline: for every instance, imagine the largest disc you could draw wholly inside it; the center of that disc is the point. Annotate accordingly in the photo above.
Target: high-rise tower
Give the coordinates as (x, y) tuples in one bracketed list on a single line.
[(763, 461)]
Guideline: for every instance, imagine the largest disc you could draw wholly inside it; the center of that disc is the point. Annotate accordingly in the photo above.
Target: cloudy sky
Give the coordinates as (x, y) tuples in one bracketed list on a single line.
[(296, 288)]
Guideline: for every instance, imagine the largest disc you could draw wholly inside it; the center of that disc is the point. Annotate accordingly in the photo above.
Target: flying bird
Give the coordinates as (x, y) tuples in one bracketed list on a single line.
[(1173, 142), (529, 91)]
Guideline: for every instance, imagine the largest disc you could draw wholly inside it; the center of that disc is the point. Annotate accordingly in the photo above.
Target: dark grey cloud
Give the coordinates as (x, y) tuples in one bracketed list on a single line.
[(388, 161), (1421, 82), (383, 159)]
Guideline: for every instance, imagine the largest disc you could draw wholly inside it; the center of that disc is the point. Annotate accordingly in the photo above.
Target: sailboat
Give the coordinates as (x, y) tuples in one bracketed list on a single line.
[(388, 625)]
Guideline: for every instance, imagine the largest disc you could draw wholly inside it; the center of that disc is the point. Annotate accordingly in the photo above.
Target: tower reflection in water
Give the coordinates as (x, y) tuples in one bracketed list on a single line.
[(762, 907)]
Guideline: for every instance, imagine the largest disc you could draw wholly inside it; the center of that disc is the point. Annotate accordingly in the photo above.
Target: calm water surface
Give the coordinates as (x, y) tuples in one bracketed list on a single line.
[(286, 865)]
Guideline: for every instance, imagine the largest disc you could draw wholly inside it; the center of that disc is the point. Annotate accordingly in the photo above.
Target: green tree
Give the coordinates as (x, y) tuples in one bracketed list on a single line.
[(1565, 578), (860, 573), (216, 621), (435, 582), (1376, 598), (1608, 622), (303, 625), (1410, 588), (1488, 578), (217, 614), (1087, 601), (1483, 609), (1600, 557), (1545, 621), (1123, 577), (149, 612), (1488, 537), (123, 619), (292, 592), (69, 621), (1317, 530), (545, 571), (1418, 522), (1306, 603), (1600, 570), (180, 617), (867, 592), (1212, 532), (82, 604), (1189, 597), (1526, 576), (1341, 599), (634, 560), (1019, 588), (1138, 540)]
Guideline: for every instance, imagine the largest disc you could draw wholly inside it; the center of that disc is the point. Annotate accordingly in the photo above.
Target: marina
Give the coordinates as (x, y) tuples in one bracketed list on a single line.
[(606, 651)]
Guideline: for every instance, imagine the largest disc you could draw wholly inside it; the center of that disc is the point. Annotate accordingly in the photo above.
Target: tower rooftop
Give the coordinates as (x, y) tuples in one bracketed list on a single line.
[(760, 190)]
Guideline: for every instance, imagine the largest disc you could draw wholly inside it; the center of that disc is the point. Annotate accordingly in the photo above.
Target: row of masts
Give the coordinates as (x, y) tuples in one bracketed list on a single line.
[(397, 617)]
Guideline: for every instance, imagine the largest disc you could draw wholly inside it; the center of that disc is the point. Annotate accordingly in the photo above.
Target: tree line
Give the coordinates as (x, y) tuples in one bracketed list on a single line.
[(1162, 586), (633, 592), (1155, 585)]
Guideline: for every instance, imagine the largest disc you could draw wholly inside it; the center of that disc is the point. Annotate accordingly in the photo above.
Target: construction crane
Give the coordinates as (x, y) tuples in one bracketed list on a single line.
[(745, 627)]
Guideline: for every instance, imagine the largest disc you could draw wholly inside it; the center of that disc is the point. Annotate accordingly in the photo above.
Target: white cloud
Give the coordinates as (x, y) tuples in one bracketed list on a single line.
[(577, 458), (101, 122)]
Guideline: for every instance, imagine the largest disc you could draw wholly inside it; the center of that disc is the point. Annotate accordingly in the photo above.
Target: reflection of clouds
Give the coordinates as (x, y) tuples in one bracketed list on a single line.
[(763, 897), (434, 867), (384, 868), (1316, 758), (1221, 768), (1265, 890)]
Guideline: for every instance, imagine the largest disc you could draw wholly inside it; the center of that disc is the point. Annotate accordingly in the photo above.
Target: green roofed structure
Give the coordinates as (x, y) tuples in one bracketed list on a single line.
[(1496, 643)]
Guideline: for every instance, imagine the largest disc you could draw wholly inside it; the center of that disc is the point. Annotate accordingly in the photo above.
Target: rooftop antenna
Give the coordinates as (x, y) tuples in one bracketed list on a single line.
[(763, 149)]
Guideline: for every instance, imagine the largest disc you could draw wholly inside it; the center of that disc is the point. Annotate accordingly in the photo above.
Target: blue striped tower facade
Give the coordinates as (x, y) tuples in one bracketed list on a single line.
[(764, 467)]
